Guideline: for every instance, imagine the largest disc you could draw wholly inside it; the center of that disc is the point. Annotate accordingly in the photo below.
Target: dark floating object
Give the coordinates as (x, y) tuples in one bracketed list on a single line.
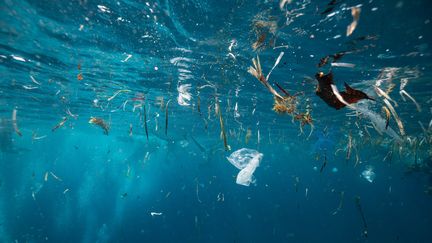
[(325, 92), (330, 6), (360, 209), (336, 57), (60, 124), (166, 117), (324, 164), (145, 121)]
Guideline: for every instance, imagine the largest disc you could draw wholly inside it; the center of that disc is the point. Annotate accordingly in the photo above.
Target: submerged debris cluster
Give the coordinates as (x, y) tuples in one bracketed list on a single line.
[(221, 110)]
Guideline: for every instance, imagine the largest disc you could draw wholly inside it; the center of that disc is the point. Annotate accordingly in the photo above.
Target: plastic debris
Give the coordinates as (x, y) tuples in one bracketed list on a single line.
[(246, 160), (29, 87), (70, 114), (184, 95), (282, 3), (36, 137), (117, 93), (34, 80), (342, 64), (276, 63), (368, 174), (127, 58), (55, 176), (197, 191), (18, 58), (377, 121), (155, 214), (404, 93), (14, 122)]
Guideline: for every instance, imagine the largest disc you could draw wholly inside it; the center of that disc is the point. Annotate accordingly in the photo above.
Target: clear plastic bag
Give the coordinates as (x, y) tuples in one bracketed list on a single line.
[(246, 160), (369, 174)]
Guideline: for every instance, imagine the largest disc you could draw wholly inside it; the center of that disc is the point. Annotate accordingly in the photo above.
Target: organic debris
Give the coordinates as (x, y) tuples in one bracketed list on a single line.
[(387, 115), (335, 57), (355, 12), (324, 163), (360, 209), (166, 117), (145, 121), (101, 123), (396, 117), (60, 124), (248, 135), (339, 208), (326, 93), (263, 26), (222, 126), (286, 104)]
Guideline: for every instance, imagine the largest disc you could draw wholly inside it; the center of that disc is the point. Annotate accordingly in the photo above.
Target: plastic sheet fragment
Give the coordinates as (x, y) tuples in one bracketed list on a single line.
[(246, 160)]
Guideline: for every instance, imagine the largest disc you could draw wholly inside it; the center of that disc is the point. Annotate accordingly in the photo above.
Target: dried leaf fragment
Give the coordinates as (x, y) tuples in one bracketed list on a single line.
[(355, 12)]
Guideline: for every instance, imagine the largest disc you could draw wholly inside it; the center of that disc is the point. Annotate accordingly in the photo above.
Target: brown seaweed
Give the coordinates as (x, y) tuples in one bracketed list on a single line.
[(101, 123), (325, 92)]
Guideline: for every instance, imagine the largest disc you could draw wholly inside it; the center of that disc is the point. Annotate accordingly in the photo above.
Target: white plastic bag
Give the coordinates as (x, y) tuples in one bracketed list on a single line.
[(246, 160), (368, 174)]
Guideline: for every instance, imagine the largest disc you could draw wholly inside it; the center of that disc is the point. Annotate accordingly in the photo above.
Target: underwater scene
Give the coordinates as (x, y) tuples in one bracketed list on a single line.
[(215, 121)]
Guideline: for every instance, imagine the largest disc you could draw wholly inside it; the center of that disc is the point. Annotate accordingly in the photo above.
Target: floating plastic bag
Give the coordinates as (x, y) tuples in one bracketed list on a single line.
[(246, 160), (369, 174)]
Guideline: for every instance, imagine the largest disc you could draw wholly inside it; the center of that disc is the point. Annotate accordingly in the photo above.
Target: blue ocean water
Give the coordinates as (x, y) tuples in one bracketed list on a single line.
[(117, 119)]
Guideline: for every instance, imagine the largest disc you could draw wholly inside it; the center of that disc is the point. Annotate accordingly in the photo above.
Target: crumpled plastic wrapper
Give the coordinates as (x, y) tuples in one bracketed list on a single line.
[(246, 160)]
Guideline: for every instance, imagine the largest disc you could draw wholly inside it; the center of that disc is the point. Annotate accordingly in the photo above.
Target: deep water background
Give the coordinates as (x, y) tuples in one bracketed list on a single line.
[(76, 184)]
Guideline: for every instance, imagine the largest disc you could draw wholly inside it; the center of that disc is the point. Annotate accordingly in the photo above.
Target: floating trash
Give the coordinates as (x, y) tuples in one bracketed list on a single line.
[(368, 174), (246, 160)]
